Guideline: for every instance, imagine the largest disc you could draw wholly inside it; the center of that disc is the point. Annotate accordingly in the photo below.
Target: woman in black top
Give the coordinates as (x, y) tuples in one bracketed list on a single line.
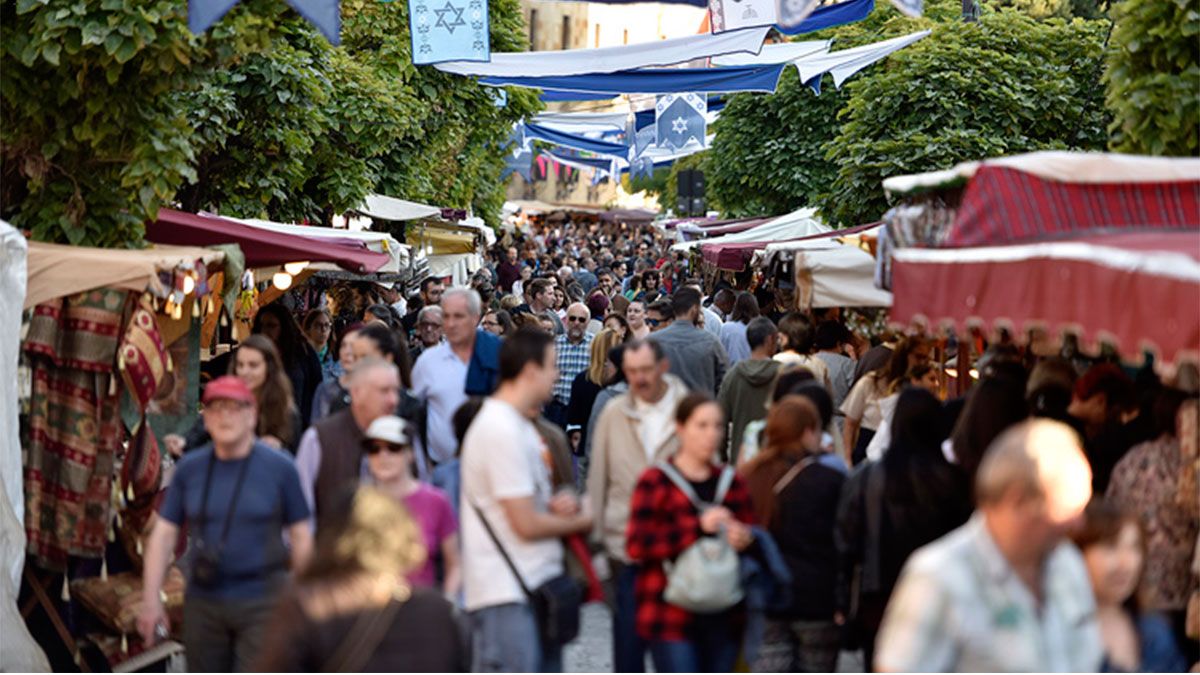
[(913, 494), (299, 359), (351, 609)]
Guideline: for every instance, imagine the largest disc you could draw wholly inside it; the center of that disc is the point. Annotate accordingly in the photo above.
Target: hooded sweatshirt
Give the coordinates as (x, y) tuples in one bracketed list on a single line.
[(744, 395)]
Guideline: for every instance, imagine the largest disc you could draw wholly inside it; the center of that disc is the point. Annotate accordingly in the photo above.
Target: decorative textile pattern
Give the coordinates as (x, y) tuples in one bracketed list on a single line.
[(1003, 206), (143, 357), (74, 426), (141, 479), (116, 601), (734, 14), (680, 119)]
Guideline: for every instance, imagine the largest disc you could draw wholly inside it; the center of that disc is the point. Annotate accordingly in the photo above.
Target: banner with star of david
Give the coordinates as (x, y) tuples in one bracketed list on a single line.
[(449, 30), (680, 120)]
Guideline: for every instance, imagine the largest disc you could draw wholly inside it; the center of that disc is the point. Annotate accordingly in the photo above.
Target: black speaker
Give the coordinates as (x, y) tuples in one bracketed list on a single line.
[(690, 192)]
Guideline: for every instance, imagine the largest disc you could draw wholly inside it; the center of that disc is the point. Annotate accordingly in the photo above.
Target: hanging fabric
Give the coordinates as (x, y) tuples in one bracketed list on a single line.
[(680, 120), (324, 14), (448, 30)]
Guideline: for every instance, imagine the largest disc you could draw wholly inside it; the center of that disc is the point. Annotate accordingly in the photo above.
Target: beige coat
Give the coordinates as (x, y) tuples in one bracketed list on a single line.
[(617, 462)]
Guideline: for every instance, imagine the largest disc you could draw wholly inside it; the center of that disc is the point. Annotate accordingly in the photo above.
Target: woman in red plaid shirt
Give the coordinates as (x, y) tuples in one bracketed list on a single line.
[(663, 523)]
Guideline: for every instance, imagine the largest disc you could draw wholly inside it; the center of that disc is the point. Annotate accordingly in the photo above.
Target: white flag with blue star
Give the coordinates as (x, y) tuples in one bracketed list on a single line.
[(680, 120), (449, 30), (725, 15)]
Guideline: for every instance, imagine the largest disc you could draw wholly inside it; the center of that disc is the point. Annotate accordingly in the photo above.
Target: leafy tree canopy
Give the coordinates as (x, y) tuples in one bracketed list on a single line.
[(112, 108), (1153, 76)]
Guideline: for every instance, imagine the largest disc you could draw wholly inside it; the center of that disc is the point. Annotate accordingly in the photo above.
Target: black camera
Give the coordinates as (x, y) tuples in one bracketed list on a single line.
[(206, 567)]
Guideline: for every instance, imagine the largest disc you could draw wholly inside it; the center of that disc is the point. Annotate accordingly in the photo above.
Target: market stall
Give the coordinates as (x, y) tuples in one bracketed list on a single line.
[(1033, 241), (799, 223)]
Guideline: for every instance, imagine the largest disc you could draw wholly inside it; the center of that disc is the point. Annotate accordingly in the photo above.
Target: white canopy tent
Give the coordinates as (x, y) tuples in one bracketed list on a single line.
[(830, 271), (391, 208), (380, 242), (20, 653), (799, 223)]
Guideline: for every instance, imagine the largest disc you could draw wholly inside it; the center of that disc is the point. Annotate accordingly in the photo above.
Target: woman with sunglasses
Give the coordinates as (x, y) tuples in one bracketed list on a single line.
[(389, 451)]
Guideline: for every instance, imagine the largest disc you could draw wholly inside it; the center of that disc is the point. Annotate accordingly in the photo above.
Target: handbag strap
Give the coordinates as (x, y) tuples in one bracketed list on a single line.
[(686, 488), (788, 477), (363, 639), (237, 492), (503, 552)]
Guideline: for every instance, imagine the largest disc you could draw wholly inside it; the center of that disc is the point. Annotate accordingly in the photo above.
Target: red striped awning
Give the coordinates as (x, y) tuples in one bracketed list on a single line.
[(1135, 290)]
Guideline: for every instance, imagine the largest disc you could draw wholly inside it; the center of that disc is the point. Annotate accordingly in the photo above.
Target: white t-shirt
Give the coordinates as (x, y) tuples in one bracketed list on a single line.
[(863, 403), (654, 423), (503, 457)]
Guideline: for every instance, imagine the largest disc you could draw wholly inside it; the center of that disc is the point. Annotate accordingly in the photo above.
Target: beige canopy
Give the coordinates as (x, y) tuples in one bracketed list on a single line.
[(56, 270)]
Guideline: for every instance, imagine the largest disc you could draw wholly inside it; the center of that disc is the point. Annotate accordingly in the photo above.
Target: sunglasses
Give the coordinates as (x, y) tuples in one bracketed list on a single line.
[(653, 322), (577, 319), (380, 446)]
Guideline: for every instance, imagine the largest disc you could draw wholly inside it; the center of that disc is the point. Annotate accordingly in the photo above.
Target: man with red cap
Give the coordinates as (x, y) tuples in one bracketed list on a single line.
[(237, 496)]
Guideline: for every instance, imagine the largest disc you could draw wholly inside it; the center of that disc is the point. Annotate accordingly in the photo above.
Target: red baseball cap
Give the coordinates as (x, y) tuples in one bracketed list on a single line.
[(229, 388)]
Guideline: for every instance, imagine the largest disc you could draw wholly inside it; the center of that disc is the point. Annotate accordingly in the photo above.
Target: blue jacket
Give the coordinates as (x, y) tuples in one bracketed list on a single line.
[(483, 372), (767, 584)]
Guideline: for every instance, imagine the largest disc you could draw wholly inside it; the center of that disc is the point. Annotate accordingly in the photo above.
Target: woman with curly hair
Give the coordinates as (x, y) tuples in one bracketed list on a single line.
[(352, 609)]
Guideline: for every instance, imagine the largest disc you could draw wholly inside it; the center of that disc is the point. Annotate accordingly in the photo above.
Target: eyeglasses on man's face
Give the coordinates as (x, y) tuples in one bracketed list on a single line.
[(577, 319)]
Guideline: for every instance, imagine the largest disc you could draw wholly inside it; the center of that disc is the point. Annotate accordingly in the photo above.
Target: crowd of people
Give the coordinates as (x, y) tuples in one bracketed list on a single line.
[(436, 482)]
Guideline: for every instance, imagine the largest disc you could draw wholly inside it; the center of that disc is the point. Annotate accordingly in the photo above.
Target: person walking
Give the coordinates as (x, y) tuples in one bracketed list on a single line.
[(511, 521), (891, 508), (664, 522), (831, 336), (330, 456), (388, 445), (303, 368), (237, 496), (1005, 592), (354, 608), (733, 331), (861, 407), (797, 332), (430, 331), (318, 328), (464, 365), (795, 497), (588, 384), (636, 316), (574, 350), (747, 386), (633, 431), (696, 357), (334, 394)]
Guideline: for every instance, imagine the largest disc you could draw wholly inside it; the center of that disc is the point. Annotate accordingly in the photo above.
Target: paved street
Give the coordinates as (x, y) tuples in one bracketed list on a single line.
[(592, 652)]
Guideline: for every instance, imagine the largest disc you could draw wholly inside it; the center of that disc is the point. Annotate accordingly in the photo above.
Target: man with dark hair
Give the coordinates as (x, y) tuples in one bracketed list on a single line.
[(541, 302), (1105, 406), (723, 301), (430, 295), (659, 315), (745, 390), (831, 337), (509, 271), (696, 356), (633, 430), (508, 508)]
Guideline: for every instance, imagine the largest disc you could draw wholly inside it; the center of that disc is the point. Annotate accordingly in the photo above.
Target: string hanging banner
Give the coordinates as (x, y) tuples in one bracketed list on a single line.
[(448, 30)]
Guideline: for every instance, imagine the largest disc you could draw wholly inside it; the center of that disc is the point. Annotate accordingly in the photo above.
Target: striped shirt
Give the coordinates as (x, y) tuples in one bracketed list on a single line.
[(573, 359)]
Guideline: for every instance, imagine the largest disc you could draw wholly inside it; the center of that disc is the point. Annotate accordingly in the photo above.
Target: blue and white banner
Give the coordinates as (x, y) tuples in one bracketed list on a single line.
[(324, 14), (518, 160), (725, 15), (655, 81), (448, 30), (680, 120), (792, 13)]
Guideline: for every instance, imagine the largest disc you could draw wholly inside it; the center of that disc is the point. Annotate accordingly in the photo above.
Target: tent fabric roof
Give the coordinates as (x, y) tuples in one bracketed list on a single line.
[(800, 223), (263, 248), (628, 216), (391, 208), (54, 269), (380, 242), (1055, 286)]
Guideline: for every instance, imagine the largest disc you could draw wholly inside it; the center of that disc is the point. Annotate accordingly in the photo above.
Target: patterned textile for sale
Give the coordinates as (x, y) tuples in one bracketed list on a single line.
[(74, 427)]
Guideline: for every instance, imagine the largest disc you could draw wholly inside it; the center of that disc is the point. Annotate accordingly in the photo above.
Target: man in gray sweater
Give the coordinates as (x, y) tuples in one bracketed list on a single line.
[(696, 357)]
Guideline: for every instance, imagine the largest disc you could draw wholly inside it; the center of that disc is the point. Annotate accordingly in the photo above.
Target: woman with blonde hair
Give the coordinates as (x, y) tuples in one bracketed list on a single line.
[(587, 384), (352, 610)]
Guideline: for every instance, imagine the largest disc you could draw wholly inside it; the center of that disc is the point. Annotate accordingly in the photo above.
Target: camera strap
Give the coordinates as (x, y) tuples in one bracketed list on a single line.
[(237, 492)]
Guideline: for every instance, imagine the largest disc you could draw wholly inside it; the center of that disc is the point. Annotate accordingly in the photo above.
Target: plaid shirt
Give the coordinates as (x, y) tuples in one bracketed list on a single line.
[(662, 525), (573, 359)]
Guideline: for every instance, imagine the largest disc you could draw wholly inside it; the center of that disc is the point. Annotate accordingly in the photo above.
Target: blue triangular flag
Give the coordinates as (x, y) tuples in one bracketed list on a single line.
[(204, 13), (324, 14)]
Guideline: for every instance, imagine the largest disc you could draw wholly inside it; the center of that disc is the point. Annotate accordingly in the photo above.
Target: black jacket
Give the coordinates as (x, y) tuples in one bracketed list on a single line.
[(806, 511)]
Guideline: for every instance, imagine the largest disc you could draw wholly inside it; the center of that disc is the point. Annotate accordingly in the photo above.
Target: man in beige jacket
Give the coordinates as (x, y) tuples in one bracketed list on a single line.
[(635, 430)]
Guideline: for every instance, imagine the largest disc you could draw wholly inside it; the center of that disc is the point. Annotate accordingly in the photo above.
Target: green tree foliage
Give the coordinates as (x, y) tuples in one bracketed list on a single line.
[(768, 156), (112, 108), (1153, 77), (1005, 85)]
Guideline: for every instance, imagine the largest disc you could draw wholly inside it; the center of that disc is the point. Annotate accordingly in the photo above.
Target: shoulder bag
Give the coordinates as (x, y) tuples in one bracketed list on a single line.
[(706, 577), (556, 603)]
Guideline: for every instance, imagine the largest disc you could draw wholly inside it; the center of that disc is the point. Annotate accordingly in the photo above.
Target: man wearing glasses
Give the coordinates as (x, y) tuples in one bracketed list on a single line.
[(574, 348)]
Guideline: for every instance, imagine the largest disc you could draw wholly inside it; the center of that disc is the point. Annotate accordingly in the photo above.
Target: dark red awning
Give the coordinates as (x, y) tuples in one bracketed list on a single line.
[(262, 248)]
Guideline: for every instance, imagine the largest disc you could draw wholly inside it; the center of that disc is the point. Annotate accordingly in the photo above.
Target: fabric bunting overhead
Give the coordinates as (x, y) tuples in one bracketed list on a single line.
[(829, 16), (541, 133), (680, 120), (612, 59), (656, 80), (842, 64), (580, 122), (448, 30), (780, 53), (324, 14), (727, 15)]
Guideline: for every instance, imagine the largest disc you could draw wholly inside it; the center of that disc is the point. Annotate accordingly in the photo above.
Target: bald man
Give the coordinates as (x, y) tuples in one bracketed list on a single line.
[(574, 348), (1005, 592)]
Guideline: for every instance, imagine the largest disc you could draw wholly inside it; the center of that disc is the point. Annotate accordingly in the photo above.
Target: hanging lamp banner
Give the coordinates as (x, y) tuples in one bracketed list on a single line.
[(448, 30)]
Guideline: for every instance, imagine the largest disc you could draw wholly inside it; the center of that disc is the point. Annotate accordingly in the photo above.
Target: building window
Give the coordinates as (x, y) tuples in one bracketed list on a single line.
[(625, 39), (597, 35), (566, 32), (533, 30)]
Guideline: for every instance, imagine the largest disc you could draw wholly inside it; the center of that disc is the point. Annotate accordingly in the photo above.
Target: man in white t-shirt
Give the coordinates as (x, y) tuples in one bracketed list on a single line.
[(506, 478)]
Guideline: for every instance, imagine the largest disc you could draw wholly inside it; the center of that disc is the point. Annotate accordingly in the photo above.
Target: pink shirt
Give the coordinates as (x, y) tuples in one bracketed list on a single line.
[(431, 509)]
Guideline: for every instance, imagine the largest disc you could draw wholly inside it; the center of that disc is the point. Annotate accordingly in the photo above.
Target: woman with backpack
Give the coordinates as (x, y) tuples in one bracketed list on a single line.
[(691, 516), (795, 496)]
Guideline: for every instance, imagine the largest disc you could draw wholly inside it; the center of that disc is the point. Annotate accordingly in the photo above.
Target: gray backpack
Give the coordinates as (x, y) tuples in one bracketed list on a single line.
[(705, 578)]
